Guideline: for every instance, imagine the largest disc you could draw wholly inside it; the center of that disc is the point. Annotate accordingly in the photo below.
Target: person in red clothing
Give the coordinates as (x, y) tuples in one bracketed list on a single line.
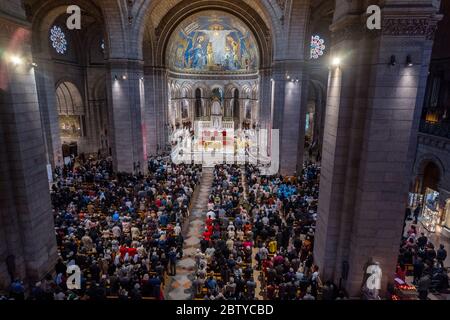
[(132, 252), (247, 227), (277, 260), (266, 264), (248, 244), (207, 235), (123, 251)]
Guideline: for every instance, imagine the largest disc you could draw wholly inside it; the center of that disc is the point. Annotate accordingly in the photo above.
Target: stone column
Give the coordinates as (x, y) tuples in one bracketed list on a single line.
[(156, 110), (370, 120), (47, 100), (290, 103), (265, 100), (27, 233), (125, 105)]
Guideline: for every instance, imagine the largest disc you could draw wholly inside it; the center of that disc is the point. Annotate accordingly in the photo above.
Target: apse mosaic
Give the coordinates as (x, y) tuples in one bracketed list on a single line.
[(212, 41)]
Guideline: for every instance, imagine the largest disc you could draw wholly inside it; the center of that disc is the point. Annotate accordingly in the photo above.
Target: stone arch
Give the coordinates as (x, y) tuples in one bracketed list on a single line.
[(44, 13), (176, 87), (246, 91), (185, 8), (205, 89), (99, 90), (152, 15), (186, 90), (426, 159), (69, 98), (417, 182)]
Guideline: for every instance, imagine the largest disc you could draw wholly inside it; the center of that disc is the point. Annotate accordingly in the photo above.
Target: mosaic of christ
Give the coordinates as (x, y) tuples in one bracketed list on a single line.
[(212, 41)]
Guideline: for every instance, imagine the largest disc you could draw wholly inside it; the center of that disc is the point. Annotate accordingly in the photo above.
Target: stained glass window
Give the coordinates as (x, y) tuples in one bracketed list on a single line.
[(317, 47), (58, 39)]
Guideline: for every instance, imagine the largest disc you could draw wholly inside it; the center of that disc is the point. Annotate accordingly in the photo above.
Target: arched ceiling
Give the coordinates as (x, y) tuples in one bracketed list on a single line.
[(160, 8), (44, 13)]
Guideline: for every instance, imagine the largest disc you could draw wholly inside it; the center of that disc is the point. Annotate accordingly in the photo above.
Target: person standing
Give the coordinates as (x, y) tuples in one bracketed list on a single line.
[(423, 286), (172, 255), (418, 268), (441, 255), (417, 211)]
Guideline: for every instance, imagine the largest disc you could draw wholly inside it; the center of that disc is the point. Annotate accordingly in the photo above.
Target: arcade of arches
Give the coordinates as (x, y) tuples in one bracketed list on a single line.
[(223, 81)]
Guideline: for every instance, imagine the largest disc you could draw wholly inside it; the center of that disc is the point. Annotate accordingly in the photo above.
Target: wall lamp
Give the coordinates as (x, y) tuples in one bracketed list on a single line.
[(16, 60), (336, 62), (409, 62), (123, 77)]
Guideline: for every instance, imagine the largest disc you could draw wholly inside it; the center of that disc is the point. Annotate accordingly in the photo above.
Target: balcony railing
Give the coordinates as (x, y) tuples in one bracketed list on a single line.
[(440, 129)]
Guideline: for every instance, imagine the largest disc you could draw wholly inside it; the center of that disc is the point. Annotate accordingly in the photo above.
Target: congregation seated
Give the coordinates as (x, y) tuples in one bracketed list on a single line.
[(284, 212), (224, 262), (123, 231)]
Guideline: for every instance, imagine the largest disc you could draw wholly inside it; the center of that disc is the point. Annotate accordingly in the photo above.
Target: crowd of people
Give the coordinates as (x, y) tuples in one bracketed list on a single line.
[(264, 233), (420, 259), (284, 211), (224, 262), (123, 231)]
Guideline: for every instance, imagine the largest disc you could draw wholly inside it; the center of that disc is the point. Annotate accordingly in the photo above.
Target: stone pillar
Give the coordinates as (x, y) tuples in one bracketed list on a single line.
[(156, 110), (123, 86), (290, 103), (265, 100), (370, 120), (26, 221), (49, 113), (93, 112)]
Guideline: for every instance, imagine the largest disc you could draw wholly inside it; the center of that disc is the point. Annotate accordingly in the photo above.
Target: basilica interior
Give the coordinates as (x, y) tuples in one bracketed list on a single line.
[(292, 117)]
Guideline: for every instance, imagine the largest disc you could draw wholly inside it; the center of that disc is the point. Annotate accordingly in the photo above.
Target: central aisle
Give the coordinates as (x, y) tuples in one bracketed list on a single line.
[(180, 287)]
